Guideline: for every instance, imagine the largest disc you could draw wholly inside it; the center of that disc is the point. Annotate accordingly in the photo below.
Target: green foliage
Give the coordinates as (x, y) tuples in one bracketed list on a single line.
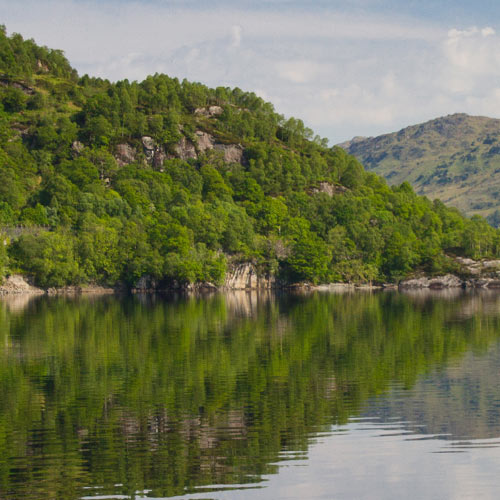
[(94, 163), (49, 257), (454, 158), (4, 258)]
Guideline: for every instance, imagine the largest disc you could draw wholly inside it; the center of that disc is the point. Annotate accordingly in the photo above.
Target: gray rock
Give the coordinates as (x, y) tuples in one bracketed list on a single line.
[(204, 141), (447, 281), (210, 111), (233, 153), (145, 283), (185, 149), (17, 284), (490, 283), (159, 157), (244, 277), (148, 142), (215, 110), (329, 189), (125, 154)]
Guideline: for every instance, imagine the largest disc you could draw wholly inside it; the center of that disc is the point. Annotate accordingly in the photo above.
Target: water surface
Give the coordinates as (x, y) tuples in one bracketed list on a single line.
[(250, 396)]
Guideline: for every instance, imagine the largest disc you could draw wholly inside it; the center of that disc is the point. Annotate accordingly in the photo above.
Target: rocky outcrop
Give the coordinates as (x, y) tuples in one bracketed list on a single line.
[(21, 285), (42, 67), (447, 281), (488, 268), (233, 153), (149, 146), (209, 111), (204, 141), (125, 154), (245, 277), (490, 283), (185, 149), (81, 290), (329, 189), (5, 82), (17, 284), (155, 154), (146, 283)]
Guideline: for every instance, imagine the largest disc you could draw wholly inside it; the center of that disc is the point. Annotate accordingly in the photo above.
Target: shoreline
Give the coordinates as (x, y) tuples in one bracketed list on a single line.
[(20, 285)]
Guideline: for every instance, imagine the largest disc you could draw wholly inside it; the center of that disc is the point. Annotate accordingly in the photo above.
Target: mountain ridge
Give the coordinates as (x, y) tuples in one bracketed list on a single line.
[(455, 158), (168, 183)]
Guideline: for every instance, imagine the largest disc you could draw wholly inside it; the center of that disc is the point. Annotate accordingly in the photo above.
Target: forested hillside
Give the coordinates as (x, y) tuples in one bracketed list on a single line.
[(105, 182), (455, 158)]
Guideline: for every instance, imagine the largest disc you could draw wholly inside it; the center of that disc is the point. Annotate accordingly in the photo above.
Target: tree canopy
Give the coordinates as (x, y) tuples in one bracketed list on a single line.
[(175, 180)]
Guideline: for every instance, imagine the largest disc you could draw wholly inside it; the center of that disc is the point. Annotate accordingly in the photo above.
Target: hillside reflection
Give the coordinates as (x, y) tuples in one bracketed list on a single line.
[(111, 395)]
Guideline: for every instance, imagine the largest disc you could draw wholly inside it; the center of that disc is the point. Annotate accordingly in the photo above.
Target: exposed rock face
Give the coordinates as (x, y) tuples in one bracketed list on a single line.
[(329, 189), (489, 268), (155, 155), (233, 153), (159, 157), (185, 149), (490, 283), (205, 141), (447, 281), (149, 148), (125, 154), (16, 284), (17, 85), (148, 143), (41, 66), (210, 111), (215, 110), (244, 277), (145, 283)]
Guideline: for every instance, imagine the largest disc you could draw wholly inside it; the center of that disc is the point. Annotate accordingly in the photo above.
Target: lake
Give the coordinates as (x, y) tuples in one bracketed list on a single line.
[(251, 396)]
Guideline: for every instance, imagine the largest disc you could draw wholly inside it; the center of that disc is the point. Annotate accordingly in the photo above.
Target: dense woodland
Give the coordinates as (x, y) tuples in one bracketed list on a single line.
[(70, 213)]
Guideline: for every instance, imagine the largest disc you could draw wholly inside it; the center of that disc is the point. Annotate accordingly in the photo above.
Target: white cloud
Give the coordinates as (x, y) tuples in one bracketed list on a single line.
[(344, 74), (236, 33), (298, 71)]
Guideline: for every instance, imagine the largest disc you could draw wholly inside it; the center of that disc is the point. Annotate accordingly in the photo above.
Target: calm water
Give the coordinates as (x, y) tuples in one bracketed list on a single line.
[(251, 397)]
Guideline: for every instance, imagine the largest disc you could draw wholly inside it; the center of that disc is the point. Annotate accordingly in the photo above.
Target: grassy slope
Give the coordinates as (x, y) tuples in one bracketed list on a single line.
[(454, 158)]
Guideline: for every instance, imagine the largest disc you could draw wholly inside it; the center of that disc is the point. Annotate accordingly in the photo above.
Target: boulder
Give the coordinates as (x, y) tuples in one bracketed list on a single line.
[(233, 153), (447, 281), (204, 141), (148, 143), (17, 284), (210, 111), (185, 149), (125, 154), (490, 283), (215, 110), (244, 276)]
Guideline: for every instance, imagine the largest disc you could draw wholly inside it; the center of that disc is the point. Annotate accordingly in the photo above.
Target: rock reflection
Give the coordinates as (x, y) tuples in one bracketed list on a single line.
[(170, 394)]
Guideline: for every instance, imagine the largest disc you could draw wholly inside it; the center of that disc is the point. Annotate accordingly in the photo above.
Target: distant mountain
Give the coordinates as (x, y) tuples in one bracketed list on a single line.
[(455, 158)]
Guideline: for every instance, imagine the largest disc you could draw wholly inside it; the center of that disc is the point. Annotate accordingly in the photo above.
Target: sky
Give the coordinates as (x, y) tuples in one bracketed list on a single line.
[(347, 68)]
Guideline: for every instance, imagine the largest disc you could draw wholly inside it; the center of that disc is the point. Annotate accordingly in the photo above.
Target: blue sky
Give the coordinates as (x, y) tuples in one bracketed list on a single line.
[(358, 67)]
